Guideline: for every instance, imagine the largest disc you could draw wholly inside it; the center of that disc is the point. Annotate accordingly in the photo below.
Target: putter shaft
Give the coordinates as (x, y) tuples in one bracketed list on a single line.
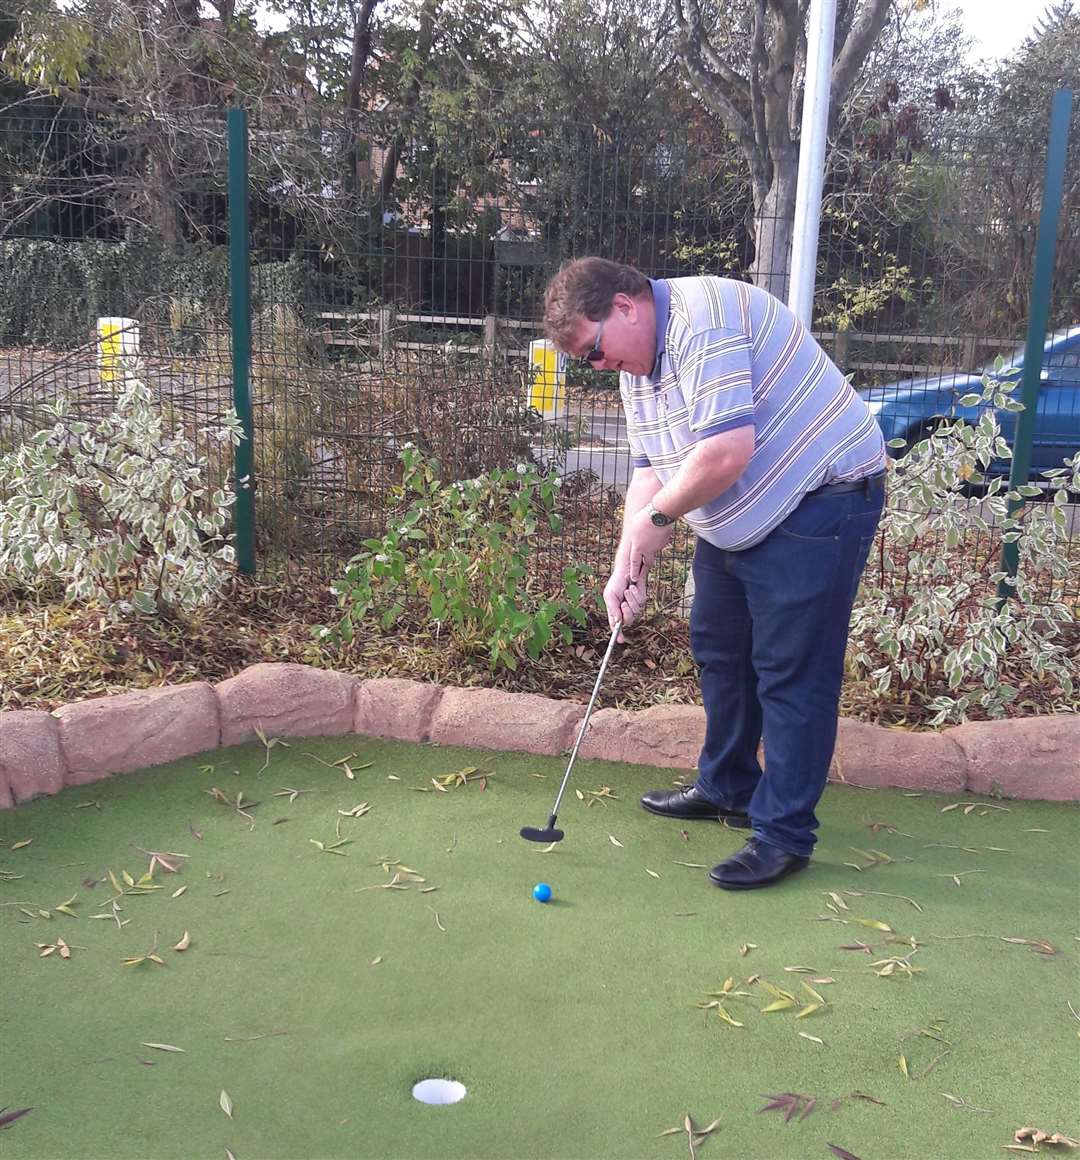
[(585, 723)]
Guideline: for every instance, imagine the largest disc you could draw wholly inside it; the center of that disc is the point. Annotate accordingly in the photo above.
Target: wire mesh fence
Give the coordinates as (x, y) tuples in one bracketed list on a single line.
[(397, 280)]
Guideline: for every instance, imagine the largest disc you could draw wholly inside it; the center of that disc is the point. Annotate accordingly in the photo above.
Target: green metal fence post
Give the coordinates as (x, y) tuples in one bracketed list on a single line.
[(240, 296), (1039, 316)]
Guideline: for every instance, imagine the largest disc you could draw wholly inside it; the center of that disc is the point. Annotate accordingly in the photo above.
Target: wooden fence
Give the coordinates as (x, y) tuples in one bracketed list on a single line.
[(385, 330)]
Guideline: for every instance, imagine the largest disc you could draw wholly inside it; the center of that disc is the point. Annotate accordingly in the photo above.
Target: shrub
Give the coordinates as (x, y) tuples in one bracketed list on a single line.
[(930, 628), (52, 292), (457, 554), (117, 510)]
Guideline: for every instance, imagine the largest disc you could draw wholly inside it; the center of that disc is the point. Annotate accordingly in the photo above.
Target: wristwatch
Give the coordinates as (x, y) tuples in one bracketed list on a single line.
[(658, 518)]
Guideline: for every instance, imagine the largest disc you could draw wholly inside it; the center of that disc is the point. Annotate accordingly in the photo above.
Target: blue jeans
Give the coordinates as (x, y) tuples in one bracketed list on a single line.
[(769, 630)]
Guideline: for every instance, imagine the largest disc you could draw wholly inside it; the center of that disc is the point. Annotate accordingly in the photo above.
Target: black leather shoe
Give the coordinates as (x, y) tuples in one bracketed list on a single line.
[(691, 803), (756, 864)]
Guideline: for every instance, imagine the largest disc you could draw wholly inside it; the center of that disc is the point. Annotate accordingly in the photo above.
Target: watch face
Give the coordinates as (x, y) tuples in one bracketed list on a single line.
[(661, 520)]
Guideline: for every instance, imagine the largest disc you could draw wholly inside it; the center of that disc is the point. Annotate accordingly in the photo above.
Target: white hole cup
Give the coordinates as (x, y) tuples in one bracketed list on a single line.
[(438, 1091)]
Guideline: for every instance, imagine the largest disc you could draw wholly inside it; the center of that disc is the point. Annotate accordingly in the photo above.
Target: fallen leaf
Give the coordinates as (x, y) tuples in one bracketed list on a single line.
[(812, 1038), (842, 1153), (184, 942), (376, 961), (23, 844), (226, 1103), (163, 1047), (615, 841), (7, 1118), (652, 872)]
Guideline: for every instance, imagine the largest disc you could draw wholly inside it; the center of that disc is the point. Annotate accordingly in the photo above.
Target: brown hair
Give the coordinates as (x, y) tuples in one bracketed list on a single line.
[(586, 288)]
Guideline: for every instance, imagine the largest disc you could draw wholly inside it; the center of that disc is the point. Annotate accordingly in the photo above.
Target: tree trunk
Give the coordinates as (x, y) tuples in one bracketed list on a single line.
[(162, 215), (412, 95), (361, 50), (774, 220)]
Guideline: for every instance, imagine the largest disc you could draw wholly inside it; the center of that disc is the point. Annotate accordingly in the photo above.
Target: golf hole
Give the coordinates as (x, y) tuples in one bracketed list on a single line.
[(438, 1091)]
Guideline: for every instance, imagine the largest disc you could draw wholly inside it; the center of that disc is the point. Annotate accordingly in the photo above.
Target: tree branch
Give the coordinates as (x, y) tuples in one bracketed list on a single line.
[(865, 29), (713, 90), (780, 73)]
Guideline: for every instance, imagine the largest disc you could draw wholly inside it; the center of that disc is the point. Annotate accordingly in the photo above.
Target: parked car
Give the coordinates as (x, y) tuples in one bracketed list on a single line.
[(910, 410)]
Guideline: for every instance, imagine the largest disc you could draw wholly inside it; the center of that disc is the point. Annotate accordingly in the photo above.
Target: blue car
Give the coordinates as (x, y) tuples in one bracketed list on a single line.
[(911, 409)]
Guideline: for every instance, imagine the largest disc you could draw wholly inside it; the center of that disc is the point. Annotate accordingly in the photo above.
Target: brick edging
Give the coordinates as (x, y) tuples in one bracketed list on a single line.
[(40, 752)]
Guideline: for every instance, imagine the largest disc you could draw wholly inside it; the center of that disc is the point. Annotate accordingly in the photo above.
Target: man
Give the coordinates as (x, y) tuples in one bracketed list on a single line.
[(740, 425)]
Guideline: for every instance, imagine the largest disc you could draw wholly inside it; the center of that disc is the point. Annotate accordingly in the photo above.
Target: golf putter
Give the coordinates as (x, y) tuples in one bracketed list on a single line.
[(549, 833)]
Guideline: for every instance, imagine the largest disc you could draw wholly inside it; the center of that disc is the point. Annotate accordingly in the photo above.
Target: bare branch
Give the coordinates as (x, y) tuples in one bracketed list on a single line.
[(865, 29), (712, 90)]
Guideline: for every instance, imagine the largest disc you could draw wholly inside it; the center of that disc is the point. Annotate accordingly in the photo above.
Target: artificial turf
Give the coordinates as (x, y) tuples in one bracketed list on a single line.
[(316, 1004)]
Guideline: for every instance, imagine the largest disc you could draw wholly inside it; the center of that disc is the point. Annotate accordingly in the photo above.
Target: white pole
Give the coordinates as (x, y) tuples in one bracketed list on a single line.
[(815, 127)]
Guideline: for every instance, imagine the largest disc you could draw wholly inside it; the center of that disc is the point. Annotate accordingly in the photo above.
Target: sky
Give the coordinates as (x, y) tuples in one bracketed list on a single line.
[(997, 27)]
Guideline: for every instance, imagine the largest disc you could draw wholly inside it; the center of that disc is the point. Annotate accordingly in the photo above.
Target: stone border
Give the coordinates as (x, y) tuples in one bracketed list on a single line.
[(41, 753)]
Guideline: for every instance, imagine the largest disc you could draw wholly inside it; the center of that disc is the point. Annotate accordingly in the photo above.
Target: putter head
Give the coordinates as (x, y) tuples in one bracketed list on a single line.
[(548, 834)]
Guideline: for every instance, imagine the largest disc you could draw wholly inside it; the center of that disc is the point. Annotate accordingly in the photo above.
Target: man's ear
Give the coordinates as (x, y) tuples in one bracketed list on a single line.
[(626, 305)]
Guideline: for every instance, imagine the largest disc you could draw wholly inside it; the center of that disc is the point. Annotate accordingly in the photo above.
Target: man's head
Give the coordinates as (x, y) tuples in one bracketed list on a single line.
[(602, 312)]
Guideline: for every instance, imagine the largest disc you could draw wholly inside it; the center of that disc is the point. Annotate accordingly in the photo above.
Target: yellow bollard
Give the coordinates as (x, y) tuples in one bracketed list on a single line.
[(547, 390), (118, 338)]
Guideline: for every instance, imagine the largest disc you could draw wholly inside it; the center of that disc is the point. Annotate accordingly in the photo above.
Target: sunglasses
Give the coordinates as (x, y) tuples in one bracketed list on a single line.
[(595, 354)]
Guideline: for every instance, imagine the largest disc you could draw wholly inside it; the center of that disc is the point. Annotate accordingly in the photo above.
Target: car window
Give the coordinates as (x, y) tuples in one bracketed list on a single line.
[(1064, 369)]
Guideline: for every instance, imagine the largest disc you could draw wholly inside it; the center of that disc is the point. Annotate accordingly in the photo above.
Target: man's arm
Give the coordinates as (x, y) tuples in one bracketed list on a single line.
[(624, 601), (644, 485), (709, 470)]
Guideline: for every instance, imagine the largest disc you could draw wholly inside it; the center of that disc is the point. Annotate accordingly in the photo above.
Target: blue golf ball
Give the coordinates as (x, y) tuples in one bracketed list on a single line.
[(542, 892)]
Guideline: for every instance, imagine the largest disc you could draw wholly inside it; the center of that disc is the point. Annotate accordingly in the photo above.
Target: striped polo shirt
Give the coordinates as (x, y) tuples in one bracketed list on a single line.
[(729, 354)]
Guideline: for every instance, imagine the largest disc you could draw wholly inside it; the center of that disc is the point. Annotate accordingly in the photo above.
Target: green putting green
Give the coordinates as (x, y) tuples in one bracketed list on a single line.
[(315, 993)]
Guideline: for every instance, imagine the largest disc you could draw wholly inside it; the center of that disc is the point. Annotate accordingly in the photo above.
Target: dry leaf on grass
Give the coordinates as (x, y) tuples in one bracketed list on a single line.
[(1037, 1136), (59, 947), (792, 1104), (8, 1118)]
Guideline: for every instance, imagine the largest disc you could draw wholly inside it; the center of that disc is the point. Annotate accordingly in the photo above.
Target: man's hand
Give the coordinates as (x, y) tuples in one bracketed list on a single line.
[(646, 539), (624, 601)]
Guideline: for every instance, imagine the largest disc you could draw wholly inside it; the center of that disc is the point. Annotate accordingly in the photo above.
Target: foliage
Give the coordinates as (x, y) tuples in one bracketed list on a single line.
[(52, 292), (853, 301), (985, 262), (929, 627), (458, 553), (117, 510)]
